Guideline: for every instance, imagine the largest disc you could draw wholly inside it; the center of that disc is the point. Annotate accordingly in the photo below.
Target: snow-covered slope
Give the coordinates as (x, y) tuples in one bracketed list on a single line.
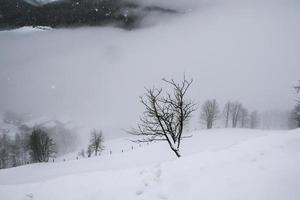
[(95, 75), (29, 29), (218, 164), (40, 2)]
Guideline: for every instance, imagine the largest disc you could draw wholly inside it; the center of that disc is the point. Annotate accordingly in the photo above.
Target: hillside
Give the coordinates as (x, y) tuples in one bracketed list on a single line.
[(219, 164), (74, 13)]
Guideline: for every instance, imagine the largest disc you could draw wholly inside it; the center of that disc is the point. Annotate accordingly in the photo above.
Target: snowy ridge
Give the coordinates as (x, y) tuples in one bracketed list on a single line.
[(40, 2), (28, 29), (216, 164)]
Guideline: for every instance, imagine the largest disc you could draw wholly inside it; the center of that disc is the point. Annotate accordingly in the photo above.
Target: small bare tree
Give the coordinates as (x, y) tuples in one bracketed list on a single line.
[(235, 113), (209, 113), (166, 115), (89, 151), (254, 120), (5, 148), (296, 110), (227, 113), (96, 142), (244, 117), (297, 87)]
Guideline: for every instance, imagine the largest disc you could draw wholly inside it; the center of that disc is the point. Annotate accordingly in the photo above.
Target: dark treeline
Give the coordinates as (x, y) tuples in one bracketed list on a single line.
[(72, 13), (18, 13)]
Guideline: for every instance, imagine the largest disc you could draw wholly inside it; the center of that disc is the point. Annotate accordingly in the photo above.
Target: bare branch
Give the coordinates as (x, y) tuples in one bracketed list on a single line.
[(165, 115)]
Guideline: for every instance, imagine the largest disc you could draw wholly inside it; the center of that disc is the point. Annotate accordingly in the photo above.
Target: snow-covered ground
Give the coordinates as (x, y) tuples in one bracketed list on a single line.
[(218, 164), (27, 30)]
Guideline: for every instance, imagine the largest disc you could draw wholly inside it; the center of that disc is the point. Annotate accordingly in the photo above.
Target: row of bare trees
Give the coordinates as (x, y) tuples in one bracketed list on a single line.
[(234, 115), (167, 112)]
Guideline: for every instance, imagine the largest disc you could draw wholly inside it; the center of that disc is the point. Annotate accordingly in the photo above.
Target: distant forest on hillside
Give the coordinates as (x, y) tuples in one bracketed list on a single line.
[(72, 13)]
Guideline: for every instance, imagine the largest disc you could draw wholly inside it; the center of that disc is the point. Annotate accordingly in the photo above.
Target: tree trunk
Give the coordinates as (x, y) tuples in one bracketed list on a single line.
[(177, 153), (227, 120)]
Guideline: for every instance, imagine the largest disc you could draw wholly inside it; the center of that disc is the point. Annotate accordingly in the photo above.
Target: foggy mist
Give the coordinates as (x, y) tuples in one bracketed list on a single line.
[(249, 52)]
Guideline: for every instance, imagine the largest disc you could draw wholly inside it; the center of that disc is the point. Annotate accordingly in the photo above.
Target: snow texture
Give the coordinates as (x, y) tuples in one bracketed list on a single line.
[(217, 164)]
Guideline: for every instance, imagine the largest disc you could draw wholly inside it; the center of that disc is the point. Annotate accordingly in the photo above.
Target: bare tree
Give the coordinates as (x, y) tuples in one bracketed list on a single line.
[(209, 113), (166, 115), (296, 110), (41, 146), (235, 113), (254, 121), (296, 114), (297, 87), (244, 117), (96, 142), (227, 113), (89, 151), (5, 149)]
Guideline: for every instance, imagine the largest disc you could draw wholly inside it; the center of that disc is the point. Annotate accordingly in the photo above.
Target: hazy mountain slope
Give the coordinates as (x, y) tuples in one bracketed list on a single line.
[(75, 13)]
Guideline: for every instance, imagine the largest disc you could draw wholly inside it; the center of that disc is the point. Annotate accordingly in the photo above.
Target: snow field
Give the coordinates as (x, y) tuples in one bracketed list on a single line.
[(246, 165)]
